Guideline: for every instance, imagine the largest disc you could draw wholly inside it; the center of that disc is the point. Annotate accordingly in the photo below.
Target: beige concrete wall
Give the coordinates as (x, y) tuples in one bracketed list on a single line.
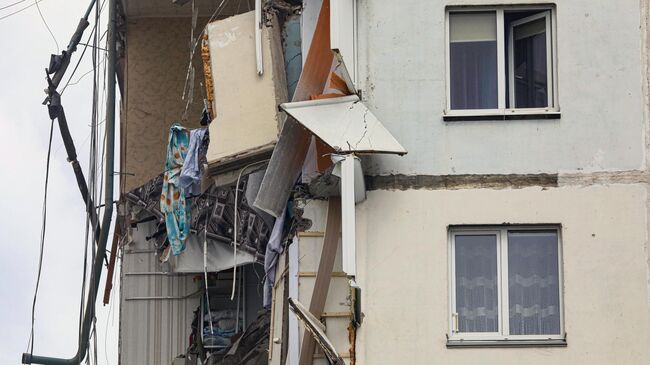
[(157, 54), (403, 270)]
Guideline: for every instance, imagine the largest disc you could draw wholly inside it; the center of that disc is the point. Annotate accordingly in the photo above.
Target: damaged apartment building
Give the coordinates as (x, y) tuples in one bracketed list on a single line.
[(381, 182)]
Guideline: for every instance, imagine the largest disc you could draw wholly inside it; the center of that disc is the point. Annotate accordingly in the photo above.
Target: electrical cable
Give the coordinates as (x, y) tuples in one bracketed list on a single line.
[(236, 219), (12, 4), (58, 49), (30, 344), (20, 10), (215, 14), (205, 270), (92, 172)]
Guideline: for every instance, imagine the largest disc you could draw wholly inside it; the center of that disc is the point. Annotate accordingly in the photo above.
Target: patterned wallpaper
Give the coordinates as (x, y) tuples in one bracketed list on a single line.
[(157, 55)]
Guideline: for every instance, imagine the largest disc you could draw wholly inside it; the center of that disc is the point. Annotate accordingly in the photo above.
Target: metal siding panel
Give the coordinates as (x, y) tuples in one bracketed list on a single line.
[(152, 331)]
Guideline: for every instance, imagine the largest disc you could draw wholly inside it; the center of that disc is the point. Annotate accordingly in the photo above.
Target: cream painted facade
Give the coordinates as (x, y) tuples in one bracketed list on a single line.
[(403, 268)]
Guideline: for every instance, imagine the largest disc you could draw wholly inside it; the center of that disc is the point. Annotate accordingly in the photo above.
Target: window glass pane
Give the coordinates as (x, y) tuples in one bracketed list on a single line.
[(473, 60), (476, 283), (533, 283), (530, 72)]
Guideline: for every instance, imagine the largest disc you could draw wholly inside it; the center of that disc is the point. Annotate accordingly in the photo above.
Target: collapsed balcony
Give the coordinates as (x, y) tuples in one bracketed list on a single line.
[(276, 177)]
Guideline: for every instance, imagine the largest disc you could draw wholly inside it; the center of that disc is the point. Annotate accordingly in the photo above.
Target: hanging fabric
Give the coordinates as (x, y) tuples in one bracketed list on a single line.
[(172, 198), (192, 170), (273, 250)]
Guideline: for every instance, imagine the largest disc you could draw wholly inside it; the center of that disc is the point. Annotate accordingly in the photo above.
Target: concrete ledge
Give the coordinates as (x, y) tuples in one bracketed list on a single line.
[(450, 182)]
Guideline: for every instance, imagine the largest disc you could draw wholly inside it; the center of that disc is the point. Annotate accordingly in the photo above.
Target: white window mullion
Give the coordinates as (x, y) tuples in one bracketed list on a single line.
[(549, 61), (452, 289), (448, 62), (501, 62), (505, 295), (560, 274)]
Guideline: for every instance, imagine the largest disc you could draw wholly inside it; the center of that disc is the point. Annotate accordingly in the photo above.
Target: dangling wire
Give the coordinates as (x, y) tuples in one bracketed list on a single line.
[(205, 271), (30, 343), (236, 219)]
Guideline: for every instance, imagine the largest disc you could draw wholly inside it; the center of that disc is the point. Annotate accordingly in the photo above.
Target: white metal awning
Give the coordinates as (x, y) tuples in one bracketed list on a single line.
[(345, 124)]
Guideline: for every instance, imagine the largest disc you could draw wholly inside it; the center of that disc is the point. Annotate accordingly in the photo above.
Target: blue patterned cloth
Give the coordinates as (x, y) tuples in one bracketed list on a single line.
[(172, 198), (192, 170)]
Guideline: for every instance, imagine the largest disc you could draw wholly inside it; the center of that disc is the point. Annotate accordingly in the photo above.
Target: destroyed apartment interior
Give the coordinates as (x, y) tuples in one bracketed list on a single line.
[(211, 233), (375, 182)]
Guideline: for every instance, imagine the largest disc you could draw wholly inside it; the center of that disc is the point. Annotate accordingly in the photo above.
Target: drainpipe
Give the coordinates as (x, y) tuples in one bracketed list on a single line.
[(108, 206)]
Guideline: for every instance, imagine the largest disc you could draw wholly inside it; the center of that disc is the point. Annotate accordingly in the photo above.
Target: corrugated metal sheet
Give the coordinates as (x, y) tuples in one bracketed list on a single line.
[(152, 331)]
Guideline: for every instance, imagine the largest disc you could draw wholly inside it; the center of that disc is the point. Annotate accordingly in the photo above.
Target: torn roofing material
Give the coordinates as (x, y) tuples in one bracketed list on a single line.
[(345, 124)]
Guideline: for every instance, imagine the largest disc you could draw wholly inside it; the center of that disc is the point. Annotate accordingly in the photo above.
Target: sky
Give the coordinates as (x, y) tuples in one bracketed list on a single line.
[(26, 46)]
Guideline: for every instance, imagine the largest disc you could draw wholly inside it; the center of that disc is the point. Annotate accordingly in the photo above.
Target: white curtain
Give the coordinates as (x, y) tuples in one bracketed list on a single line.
[(533, 283), (476, 283)]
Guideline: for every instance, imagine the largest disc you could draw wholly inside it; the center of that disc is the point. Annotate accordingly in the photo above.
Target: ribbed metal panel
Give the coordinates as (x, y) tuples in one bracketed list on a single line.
[(153, 331)]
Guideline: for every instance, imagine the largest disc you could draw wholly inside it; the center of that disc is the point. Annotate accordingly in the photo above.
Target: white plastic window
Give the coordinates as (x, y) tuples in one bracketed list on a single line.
[(505, 283), (501, 60)]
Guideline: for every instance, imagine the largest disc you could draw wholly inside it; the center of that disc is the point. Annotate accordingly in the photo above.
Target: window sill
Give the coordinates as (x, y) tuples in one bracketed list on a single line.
[(505, 343), (509, 115)]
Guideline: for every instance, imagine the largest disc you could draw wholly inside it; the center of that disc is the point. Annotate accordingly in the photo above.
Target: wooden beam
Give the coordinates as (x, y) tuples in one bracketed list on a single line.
[(312, 274), (311, 234), (111, 263), (336, 314), (324, 275)]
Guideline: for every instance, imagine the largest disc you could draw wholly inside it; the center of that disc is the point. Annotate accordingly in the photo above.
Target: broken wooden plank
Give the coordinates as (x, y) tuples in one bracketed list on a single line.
[(336, 314), (323, 278), (311, 234), (312, 274), (111, 263)]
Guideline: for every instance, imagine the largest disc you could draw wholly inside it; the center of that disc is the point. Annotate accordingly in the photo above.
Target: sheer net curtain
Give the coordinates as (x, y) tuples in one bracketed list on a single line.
[(476, 283), (533, 283)]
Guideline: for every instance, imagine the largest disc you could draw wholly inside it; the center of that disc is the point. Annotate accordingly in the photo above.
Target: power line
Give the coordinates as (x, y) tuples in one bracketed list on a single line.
[(20, 10), (82, 54), (58, 49), (43, 225), (12, 4)]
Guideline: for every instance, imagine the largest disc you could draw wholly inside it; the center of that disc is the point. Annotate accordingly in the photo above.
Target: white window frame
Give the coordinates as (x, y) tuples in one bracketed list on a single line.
[(503, 333), (551, 62)]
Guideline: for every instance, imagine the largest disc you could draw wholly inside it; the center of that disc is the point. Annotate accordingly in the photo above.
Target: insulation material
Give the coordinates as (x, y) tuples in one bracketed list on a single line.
[(345, 124), (207, 73), (247, 120)]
